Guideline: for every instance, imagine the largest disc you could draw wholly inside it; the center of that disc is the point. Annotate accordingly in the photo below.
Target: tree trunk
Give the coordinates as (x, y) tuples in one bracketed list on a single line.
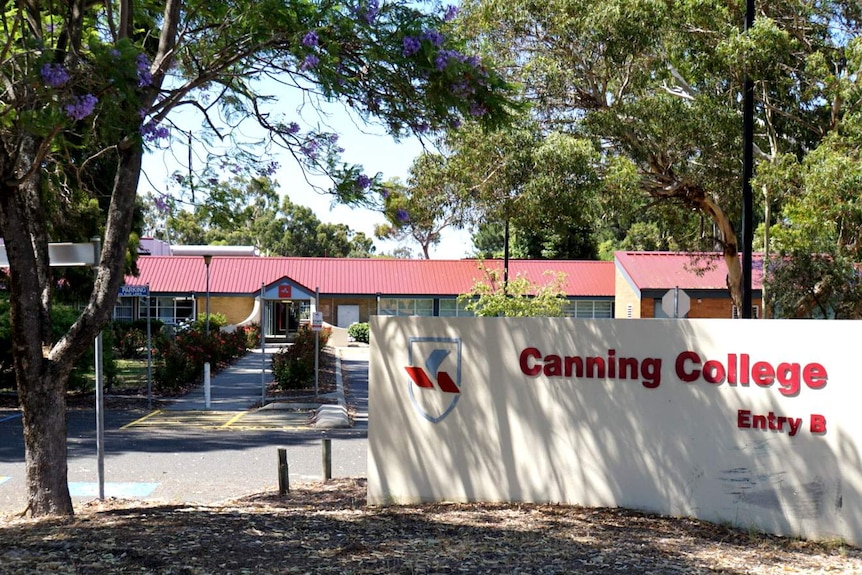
[(700, 200), (42, 368), (41, 388)]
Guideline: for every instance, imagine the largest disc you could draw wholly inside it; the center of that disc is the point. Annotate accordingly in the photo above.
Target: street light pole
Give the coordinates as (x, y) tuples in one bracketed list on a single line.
[(747, 174), (207, 389), (207, 261)]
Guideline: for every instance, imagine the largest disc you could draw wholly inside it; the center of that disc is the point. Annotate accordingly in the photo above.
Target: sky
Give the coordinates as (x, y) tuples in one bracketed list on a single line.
[(368, 146)]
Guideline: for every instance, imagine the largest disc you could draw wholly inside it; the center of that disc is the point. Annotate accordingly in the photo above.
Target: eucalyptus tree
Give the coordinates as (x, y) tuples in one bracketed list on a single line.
[(656, 88), (422, 208), (104, 79), (540, 186)]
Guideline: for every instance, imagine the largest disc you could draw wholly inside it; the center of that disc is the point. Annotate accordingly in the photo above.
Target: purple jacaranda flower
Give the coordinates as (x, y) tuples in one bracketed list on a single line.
[(402, 215), (152, 132), (142, 63), (269, 169), (450, 13), (310, 39), (478, 109), (54, 75), (310, 149), (81, 106), (160, 204), (363, 182), (368, 10), (432, 36), (411, 46), (293, 128), (311, 61), (443, 57)]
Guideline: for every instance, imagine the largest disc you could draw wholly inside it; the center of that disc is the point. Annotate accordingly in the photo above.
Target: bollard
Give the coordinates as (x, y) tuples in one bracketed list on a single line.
[(283, 479), (326, 446), (207, 385)]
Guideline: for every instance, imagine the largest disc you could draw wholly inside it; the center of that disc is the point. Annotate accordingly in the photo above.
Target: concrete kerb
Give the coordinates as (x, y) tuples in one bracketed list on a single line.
[(334, 416), (327, 416)]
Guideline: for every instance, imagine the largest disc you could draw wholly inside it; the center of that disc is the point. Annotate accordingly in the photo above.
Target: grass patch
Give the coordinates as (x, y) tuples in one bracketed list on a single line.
[(131, 374)]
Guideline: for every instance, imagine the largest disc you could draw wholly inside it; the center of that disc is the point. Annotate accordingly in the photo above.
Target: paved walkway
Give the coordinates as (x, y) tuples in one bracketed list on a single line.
[(238, 387), (241, 386)]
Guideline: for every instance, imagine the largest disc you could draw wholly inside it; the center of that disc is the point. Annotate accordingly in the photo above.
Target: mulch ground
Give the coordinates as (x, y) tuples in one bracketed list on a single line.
[(327, 528)]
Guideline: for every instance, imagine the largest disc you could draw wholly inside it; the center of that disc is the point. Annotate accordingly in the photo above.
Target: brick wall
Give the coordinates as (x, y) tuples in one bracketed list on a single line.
[(235, 309), (624, 297)]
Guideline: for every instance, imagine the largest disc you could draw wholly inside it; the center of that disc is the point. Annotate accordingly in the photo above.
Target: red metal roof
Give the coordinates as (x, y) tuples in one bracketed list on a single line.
[(347, 276), (664, 270)]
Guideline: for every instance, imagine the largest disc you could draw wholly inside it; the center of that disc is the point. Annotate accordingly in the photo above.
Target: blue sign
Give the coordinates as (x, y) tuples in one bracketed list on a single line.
[(135, 291)]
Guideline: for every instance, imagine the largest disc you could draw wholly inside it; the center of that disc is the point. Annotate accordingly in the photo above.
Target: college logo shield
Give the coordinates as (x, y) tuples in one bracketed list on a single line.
[(435, 375)]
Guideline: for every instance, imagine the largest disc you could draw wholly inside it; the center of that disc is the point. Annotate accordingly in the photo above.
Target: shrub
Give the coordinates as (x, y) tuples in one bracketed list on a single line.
[(359, 332), (130, 337), (183, 355), (293, 366)]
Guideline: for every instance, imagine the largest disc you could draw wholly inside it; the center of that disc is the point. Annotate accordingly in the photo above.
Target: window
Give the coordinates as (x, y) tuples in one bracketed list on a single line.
[(589, 309), (124, 310), (453, 308), (305, 310), (734, 312), (406, 306), (168, 309)]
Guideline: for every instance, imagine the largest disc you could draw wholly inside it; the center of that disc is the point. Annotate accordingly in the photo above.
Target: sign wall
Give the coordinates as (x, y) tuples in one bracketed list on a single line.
[(754, 423)]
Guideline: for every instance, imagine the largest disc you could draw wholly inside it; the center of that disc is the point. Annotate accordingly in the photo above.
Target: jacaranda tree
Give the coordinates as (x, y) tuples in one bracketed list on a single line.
[(90, 85)]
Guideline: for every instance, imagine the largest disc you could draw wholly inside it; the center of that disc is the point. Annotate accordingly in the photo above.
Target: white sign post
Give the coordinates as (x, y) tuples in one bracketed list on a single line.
[(144, 292), (316, 326)]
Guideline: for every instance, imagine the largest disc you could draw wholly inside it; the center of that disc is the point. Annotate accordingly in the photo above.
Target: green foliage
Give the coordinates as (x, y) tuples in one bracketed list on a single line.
[(656, 89), (130, 337), (246, 211), (180, 358), (293, 366), (217, 321), (519, 297), (359, 332)]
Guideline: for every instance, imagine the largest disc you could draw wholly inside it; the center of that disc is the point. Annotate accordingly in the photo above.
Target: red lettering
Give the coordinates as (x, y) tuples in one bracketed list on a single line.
[(713, 371), (788, 378), (818, 423), (814, 376), (731, 369), (553, 366), (526, 367), (762, 373), (681, 373), (743, 419)]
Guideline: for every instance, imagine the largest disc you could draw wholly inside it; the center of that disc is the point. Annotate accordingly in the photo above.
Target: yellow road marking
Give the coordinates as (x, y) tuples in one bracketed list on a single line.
[(233, 420), (142, 419), (220, 420)]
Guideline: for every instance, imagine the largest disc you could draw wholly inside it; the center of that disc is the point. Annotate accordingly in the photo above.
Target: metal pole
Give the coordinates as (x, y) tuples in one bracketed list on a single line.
[(747, 174), (316, 344), (207, 260), (676, 302), (149, 354), (262, 347), (100, 419)]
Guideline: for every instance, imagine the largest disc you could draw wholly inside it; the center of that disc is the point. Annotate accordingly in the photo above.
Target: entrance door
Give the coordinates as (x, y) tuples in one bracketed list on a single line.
[(347, 314)]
